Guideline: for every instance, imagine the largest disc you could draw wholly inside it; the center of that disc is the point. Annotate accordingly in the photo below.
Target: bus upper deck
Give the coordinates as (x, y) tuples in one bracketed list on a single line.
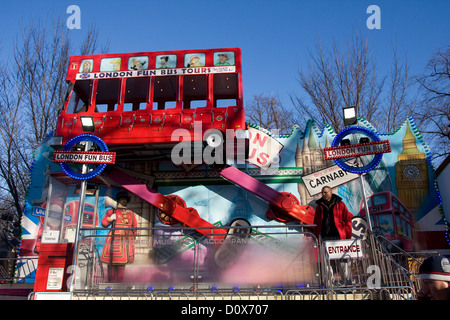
[(139, 99)]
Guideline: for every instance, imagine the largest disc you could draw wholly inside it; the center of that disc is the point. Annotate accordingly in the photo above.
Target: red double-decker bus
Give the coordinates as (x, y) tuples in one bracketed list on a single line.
[(136, 100), (391, 218)]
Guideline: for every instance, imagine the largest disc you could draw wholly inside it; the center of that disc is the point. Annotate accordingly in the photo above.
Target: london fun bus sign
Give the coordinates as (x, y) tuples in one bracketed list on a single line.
[(67, 156), (371, 148)]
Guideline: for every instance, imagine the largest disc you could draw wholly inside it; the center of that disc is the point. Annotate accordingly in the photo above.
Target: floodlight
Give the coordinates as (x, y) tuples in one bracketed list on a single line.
[(87, 123), (350, 116)]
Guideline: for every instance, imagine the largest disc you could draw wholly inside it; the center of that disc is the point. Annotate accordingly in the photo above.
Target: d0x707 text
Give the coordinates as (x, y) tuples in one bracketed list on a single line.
[(246, 309)]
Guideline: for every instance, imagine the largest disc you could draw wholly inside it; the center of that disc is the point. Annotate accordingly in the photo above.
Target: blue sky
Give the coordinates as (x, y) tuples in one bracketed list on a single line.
[(274, 36)]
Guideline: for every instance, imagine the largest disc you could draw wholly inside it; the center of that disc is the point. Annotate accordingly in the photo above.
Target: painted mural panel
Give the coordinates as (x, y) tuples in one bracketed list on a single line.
[(401, 192)]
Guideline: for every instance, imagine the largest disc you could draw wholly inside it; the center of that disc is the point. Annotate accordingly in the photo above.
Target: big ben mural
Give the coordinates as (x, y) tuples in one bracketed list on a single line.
[(411, 173)]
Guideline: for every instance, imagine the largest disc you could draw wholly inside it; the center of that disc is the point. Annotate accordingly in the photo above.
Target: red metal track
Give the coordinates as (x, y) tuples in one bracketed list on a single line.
[(281, 204)]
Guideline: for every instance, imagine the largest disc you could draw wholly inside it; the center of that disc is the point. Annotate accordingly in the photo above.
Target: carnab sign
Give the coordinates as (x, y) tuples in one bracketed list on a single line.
[(332, 177)]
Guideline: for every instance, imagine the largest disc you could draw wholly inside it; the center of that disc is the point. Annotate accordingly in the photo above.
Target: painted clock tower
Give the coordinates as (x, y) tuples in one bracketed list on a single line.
[(411, 173)]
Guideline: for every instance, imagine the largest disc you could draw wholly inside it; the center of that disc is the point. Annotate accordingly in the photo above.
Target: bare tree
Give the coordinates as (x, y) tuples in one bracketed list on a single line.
[(32, 91), (348, 76), (433, 114), (269, 113), (14, 158), (398, 104), (90, 43), (40, 61)]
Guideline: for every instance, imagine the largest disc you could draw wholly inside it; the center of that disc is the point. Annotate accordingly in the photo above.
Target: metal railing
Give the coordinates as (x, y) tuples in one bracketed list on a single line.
[(205, 257), (409, 262), (17, 270), (260, 263), (291, 264), (375, 274)]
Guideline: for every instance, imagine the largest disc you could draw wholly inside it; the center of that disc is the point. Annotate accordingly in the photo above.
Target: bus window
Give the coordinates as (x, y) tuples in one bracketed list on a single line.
[(165, 92), (80, 97), (222, 103), (195, 91), (110, 64), (379, 199), (395, 203), (225, 87), (407, 213), (386, 223), (138, 63), (136, 93), (107, 95), (224, 58), (192, 60), (408, 230), (165, 61), (401, 227)]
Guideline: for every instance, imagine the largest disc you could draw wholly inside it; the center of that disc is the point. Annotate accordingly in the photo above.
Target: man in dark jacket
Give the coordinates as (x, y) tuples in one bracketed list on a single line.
[(332, 219), (334, 222)]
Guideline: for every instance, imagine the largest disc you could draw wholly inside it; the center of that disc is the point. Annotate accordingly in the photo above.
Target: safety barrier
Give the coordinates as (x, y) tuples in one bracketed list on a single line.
[(195, 261), (386, 293), (373, 268), (409, 262), (17, 270), (307, 272), (251, 263)]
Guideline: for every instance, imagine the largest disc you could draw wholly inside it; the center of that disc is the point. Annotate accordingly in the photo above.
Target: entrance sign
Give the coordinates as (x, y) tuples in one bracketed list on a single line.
[(341, 249)]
